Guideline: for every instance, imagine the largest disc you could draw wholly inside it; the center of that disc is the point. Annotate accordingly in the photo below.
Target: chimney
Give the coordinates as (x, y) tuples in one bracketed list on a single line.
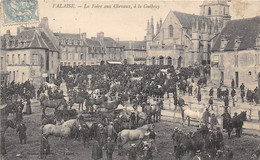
[(100, 37), (83, 36), (160, 22), (44, 22)]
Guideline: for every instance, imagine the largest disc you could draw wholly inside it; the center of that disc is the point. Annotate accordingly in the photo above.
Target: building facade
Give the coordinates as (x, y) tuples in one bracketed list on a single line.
[(134, 52), (236, 53), (185, 39), (32, 55), (73, 49)]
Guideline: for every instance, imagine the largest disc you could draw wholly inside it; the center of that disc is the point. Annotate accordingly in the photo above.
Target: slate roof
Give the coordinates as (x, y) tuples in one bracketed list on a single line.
[(91, 42), (33, 39), (186, 19), (67, 35), (109, 42), (247, 29), (132, 44)]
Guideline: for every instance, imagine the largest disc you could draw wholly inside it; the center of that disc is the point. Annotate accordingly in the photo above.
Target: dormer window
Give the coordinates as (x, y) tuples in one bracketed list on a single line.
[(237, 43), (257, 41), (224, 42)]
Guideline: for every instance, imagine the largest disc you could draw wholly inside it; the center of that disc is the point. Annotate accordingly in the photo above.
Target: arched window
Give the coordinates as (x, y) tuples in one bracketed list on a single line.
[(170, 30), (179, 62), (209, 11), (153, 60), (161, 60), (169, 61)]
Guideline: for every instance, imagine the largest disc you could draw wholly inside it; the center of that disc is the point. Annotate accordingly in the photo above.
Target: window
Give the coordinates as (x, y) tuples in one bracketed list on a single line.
[(79, 63), (24, 58), (61, 63), (74, 64), (2, 63), (153, 60), (224, 11), (249, 73), (68, 63), (35, 59), (170, 28), (13, 59), (65, 63), (237, 43), (169, 61), (67, 56), (221, 63), (19, 59), (258, 41), (236, 60), (13, 75), (81, 57), (209, 11), (223, 43), (51, 64), (161, 61)]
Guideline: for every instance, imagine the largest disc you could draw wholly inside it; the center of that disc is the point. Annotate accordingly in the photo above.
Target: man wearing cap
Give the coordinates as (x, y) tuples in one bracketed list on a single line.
[(132, 154), (174, 138), (110, 148), (152, 137), (197, 156), (213, 121), (205, 117), (45, 147), (111, 132)]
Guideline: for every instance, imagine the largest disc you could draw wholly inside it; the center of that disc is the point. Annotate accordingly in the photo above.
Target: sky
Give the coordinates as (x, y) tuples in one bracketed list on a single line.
[(124, 23)]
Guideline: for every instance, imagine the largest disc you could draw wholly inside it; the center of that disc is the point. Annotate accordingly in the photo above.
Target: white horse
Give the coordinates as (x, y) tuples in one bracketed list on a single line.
[(188, 113)]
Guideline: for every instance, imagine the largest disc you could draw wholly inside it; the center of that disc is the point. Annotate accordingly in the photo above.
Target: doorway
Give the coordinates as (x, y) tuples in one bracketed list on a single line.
[(236, 75)]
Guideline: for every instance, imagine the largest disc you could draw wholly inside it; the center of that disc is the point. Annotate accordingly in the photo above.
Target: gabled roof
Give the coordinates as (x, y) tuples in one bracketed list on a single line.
[(186, 19), (132, 44), (33, 39), (91, 42), (247, 29), (67, 35)]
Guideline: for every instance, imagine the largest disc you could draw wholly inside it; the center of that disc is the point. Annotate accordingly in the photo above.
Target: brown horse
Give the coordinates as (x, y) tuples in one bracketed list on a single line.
[(55, 103), (77, 100)]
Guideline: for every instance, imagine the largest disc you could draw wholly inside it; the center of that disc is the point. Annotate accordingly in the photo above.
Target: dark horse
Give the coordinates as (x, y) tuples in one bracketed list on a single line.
[(237, 123), (55, 103), (4, 125)]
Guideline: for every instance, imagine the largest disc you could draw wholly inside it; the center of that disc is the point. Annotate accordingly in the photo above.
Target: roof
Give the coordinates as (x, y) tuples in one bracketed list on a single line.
[(67, 35), (33, 38), (109, 42), (91, 42), (246, 29), (186, 19), (132, 44)]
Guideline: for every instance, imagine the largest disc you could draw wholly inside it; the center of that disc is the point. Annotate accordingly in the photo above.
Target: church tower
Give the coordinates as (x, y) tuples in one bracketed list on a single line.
[(217, 11)]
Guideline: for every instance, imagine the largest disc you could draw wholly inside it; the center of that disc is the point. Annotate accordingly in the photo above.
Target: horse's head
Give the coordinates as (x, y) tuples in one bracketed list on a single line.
[(243, 116), (11, 124)]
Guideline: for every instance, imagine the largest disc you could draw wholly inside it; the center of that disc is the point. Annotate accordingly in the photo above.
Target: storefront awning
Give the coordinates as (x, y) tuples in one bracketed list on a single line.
[(114, 62)]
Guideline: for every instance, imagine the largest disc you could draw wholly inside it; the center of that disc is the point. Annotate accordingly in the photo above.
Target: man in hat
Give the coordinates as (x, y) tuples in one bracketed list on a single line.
[(21, 130), (45, 147), (235, 115), (110, 148), (219, 155), (219, 139), (228, 153), (205, 117), (143, 106), (132, 154), (174, 135), (152, 137), (132, 122), (197, 156), (111, 132), (213, 121), (211, 103)]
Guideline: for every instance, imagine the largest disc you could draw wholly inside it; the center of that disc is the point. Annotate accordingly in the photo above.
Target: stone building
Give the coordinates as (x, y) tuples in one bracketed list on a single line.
[(134, 51), (113, 52), (185, 39), (73, 49), (96, 52), (236, 53), (32, 54)]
